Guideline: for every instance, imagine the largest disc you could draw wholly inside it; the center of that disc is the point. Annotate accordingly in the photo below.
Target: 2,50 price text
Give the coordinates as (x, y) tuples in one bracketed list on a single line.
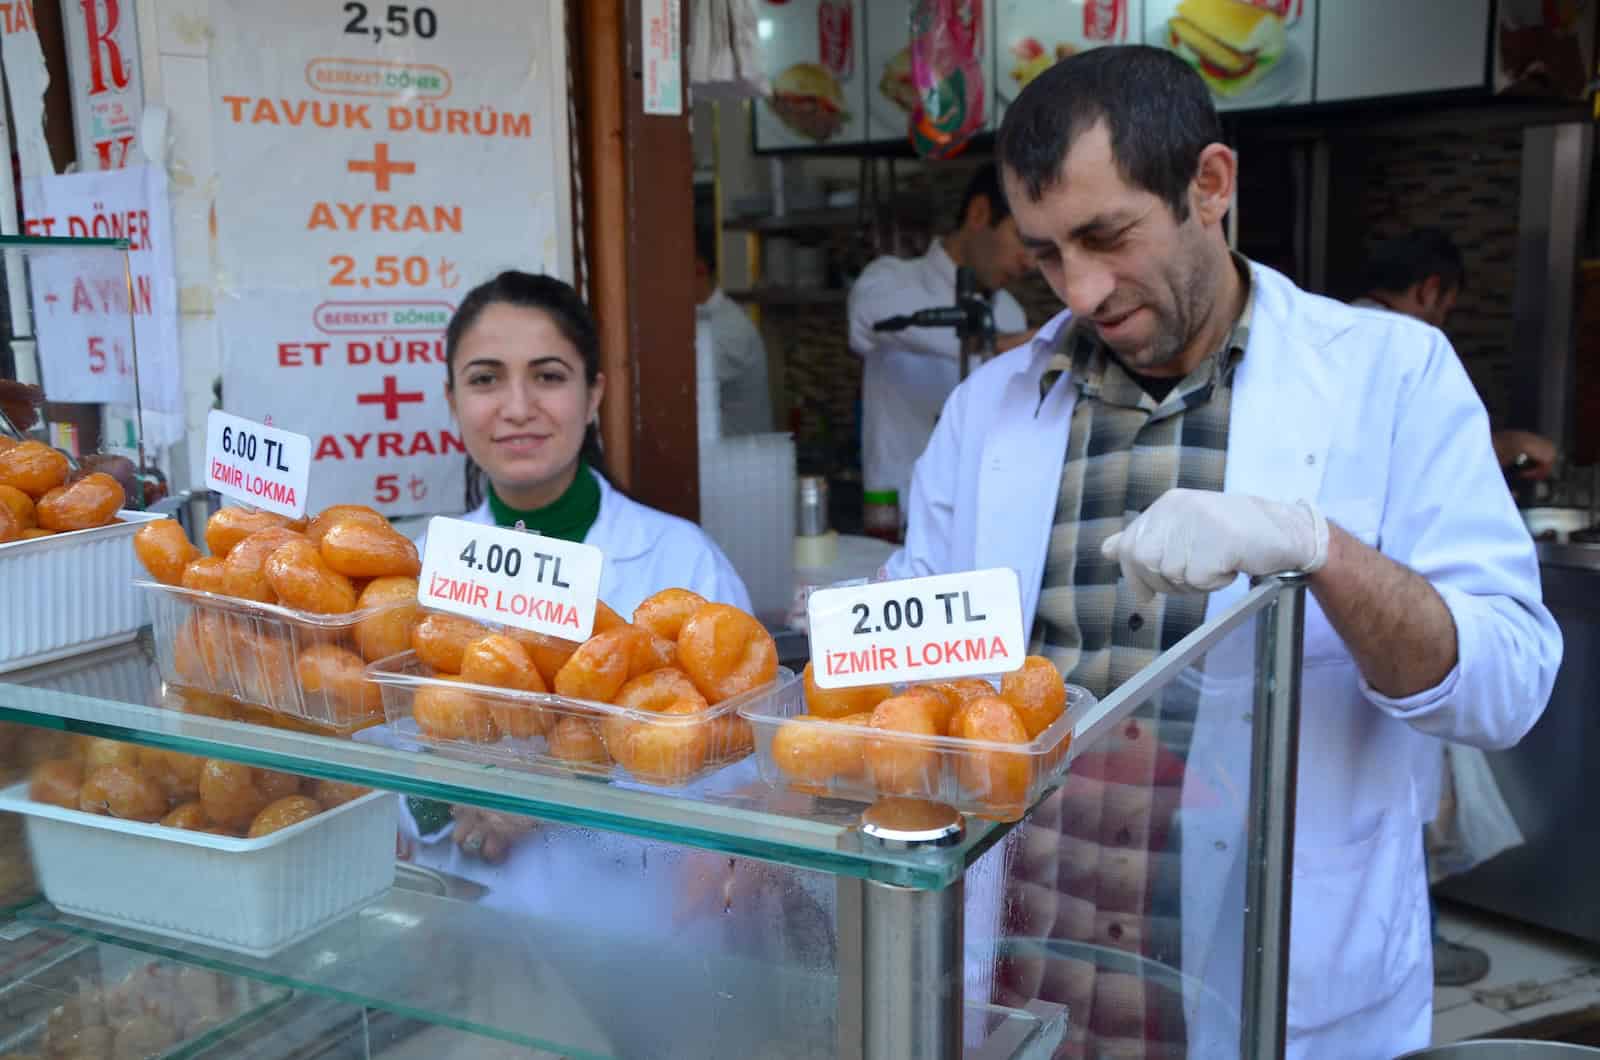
[(400, 20)]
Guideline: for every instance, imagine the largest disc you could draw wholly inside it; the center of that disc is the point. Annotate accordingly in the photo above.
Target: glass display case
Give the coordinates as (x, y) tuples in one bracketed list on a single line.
[(727, 918)]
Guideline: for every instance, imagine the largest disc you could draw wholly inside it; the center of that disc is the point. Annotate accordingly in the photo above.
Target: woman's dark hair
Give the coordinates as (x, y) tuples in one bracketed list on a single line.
[(1157, 111), (556, 299)]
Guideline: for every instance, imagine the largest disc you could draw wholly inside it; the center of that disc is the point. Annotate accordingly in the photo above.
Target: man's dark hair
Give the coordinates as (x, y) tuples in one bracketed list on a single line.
[(985, 182), (1156, 108), (1396, 264), (705, 246)]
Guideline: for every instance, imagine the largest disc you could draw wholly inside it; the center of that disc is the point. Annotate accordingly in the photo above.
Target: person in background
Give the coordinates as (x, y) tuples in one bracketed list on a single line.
[(522, 357), (908, 374), (1194, 420), (741, 357), (1421, 274)]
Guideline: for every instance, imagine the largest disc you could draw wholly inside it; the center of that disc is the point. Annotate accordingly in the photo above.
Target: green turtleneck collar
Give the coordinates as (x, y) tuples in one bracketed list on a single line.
[(567, 518)]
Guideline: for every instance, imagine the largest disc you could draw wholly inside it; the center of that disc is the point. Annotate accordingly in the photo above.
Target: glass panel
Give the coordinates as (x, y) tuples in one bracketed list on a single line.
[(117, 693), (1123, 893), (582, 943), (66, 996), (621, 981)]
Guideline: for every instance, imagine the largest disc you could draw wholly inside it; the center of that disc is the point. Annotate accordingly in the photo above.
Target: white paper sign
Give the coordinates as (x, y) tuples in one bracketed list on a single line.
[(82, 295), (263, 466), (917, 629), (374, 163), (511, 578), (663, 56)]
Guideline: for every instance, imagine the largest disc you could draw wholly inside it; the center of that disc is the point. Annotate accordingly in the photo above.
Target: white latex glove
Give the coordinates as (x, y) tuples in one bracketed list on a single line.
[(1192, 541)]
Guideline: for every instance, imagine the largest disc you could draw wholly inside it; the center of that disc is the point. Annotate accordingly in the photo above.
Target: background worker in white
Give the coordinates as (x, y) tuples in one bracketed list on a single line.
[(1421, 274), (1356, 452), (908, 374), (741, 356)]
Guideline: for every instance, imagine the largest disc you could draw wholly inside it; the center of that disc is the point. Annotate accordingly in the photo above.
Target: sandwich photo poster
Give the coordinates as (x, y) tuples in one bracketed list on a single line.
[(891, 92), (1252, 53), (811, 52), (1033, 35)]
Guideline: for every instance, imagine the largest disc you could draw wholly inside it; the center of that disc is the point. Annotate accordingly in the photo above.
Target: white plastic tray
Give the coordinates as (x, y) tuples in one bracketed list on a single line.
[(253, 896), (71, 593)]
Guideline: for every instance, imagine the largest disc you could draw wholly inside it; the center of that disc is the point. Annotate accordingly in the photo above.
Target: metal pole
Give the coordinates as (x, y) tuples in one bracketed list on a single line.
[(138, 392), (911, 972), (900, 949), (1275, 742)]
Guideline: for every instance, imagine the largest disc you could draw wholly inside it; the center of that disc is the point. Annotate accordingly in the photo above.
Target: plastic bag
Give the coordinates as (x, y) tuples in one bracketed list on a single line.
[(1474, 822), (724, 57), (947, 72)]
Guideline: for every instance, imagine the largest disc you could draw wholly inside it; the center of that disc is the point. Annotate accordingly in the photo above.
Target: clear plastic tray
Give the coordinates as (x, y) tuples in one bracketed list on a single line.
[(250, 652), (676, 750), (1001, 781)]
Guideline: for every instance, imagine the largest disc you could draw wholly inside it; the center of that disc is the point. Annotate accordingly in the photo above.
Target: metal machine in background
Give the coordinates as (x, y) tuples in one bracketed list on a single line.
[(972, 316)]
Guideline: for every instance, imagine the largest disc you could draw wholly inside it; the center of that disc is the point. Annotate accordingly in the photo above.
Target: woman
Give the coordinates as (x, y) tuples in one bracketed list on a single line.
[(522, 357), (524, 383)]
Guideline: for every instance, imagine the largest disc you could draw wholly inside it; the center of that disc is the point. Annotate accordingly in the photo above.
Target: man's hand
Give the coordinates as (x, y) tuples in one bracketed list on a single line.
[(486, 834), (1539, 453), (1192, 541)]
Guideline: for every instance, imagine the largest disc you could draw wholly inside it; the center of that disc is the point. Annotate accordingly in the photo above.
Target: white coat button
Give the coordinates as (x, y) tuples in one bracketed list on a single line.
[(1220, 845), (1311, 458)]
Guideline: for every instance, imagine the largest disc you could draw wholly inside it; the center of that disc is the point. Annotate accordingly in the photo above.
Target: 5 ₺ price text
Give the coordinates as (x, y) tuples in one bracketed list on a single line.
[(246, 446), (953, 608)]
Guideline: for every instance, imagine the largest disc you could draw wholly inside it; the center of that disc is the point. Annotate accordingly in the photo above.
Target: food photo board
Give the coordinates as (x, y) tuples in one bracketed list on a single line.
[(811, 54), (1033, 35), (1252, 54)]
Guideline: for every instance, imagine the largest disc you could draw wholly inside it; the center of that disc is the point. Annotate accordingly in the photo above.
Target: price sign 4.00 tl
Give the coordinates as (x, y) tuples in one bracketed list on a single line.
[(511, 578)]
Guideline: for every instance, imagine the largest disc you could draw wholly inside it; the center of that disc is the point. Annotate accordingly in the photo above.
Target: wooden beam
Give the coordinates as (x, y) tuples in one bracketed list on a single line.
[(602, 102), (660, 263)]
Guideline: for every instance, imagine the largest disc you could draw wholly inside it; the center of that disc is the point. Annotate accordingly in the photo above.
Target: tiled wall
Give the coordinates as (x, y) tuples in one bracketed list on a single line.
[(1467, 183)]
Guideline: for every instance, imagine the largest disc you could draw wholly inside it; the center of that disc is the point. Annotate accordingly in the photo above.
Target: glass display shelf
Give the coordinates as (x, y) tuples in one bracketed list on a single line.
[(553, 986), (56, 986), (117, 693)]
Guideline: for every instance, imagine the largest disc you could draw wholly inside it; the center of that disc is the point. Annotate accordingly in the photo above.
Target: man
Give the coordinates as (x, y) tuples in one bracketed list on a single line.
[(1421, 274), (909, 373), (740, 356), (1192, 421)]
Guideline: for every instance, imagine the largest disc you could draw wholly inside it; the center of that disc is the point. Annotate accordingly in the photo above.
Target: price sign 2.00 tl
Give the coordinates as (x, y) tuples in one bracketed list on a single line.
[(917, 629)]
